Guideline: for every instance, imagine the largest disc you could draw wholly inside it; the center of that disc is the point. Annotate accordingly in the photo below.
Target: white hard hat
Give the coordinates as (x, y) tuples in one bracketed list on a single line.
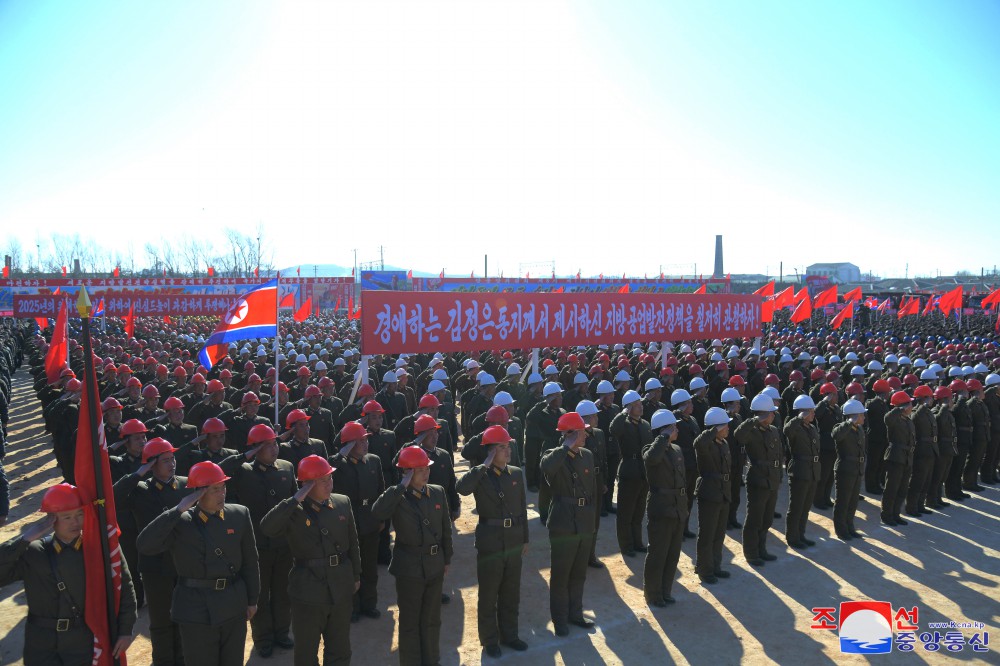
[(652, 384), (513, 369), (551, 370), (697, 384), (313, 357), (904, 360), (605, 387), (992, 379), (629, 398), (535, 378), (762, 403), (857, 371), (662, 418), (551, 388), (485, 379), (928, 374), (803, 402), (301, 358), (730, 395), (785, 358), (771, 392), (804, 356), (716, 342), (716, 416), (980, 367), (441, 375), (586, 408), (850, 356), (770, 353), (854, 407), (580, 378), (874, 366), (320, 365), (390, 378), (891, 358), (339, 362), (715, 357), (920, 363), (434, 386), (819, 360), (679, 396), (503, 398), (834, 359), (623, 376)]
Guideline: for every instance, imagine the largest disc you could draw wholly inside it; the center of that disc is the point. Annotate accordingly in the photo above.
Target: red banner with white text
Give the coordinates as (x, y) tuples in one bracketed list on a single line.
[(396, 321)]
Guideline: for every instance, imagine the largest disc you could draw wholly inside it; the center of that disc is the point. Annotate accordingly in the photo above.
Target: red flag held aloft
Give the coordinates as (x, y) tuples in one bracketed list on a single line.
[(846, 313), (911, 307), (287, 301), (338, 303), (701, 289), (303, 312), (951, 300), (784, 298), (55, 357), (130, 322), (166, 320), (929, 308), (623, 289), (826, 297), (6, 272), (357, 314), (802, 294), (803, 311), (767, 310), (350, 306), (853, 295), (992, 299), (409, 274), (442, 274), (64, 271), (256, 271), (298, 271), (211, 271), (766, 290)]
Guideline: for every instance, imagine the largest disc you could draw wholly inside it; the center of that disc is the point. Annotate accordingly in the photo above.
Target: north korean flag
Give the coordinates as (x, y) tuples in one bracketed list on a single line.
[(253, 315), (99, 310)]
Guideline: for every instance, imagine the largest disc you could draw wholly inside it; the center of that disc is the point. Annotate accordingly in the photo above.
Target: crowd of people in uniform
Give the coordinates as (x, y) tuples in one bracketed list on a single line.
[(250, 493)]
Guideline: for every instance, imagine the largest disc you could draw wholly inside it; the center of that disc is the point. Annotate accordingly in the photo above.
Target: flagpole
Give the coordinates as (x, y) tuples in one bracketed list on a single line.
[(90, 386), (277, 334)]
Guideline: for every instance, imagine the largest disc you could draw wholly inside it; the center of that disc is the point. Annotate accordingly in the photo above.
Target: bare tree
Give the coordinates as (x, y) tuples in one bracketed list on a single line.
[(15, 252)]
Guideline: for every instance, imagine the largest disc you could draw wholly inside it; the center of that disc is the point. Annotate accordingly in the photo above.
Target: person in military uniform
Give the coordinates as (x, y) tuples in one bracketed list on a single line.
[(215, 555), (319, 528), (571, 473), (321, 424), (980, 414), (48, 558), (947, 446), (925, 452), (849, 438), (730, 399), (392, 401), (540, 434), (474, 450), (172, 428), (259, 481), (898, 457), (112, 411), (143, 500), (240, 422), (804, 470), (213, 404), (828, 415), (666, 508), (713, 490), (963, 427), (208, 446), (687, 431), (501, 540), (596, 444), (632, 433), (296, 442), (876, 409), (382, 443), (358, 476), (420, 557), (65, 414), (761, 444), (607, 410)]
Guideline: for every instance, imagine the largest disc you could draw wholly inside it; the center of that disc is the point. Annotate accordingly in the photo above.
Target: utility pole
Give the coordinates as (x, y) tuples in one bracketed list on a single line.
[(485, 266), (381, 258)]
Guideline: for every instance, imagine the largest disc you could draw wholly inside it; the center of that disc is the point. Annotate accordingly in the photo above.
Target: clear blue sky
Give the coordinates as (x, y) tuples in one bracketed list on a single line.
[(606, 136)]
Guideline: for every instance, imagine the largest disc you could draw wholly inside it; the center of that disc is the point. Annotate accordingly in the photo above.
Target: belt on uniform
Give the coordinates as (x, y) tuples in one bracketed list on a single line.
[(319, 562), (575, 501), (965, 428), (853, 458), (764, 463), (421, 550), (715, 475), (60, 624), (668, 491), (206, 583), (633, 456), (814, 459), (500, 522)]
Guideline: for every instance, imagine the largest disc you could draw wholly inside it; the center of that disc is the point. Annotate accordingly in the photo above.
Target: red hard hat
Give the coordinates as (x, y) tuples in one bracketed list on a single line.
[(133, 382), (854, 388), (365, 391), (74, 385), (132, 427), (173, 403), (205, 474), (667, 371), (900, 398), (497, 414), (324, 382), (312, 391), (740, 366), (352, 432), (122, 369), (295, 416), (894, 383), (428, 401), (61, 497), (923, 391), (150, 391), (189, 366), (942, 392), (760, 365), (827, 388), (250, 396), (198, 378), (570, 421), (179, 371), (910, 380), (496, 435), (259, 433), (833, 375), (695, 369), (313, 467), (771, 380), (816, 374), (212, 426), (110, 404), (412, 457), (794, 376), (958, 385), (226, 374), (974, 385), (303, 372), (215, 386), (721, 366), (162, 370), (283, 387), (424, 423), (155, 447), (737, 380), (372, 406)]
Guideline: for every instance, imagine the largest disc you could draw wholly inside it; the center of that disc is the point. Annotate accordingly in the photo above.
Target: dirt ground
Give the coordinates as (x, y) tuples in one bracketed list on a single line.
[(946, 564)]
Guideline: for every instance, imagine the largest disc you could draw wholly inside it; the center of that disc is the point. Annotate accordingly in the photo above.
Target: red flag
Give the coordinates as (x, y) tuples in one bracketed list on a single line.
[(767, 310), (602, 276), (56, 292), (884, 305), (116, 272), (661, 275), (211, 271), (357, 313), (338, 303), (559, 290), (846, 313), (55, 358), (130, 322), (802, 294), (352, 272), (256, 271), (701, 289), (288, 301), (623, 276), (911, 307), (64, 271), (350, 306), (784, 298), (951, 300), (166, 320), (766, 290), (96, 611), (992, 299), (298, 271), (853, 295), (303, 312), (827, 297), (577, 274), (442, 274), (623, 289), (409, 274), (42, 323), (929, 308), (6, 272), (803, 311)]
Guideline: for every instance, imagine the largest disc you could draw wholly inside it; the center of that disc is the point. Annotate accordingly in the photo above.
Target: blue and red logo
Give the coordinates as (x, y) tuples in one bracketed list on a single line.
[(865, 627)]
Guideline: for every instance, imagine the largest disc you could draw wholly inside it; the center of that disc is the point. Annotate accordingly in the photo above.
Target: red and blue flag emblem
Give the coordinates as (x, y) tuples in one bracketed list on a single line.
[(253, 315), (99, 310)]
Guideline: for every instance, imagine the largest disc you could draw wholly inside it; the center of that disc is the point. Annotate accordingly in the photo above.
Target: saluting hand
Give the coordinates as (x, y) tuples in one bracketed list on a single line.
[(304, 490), (253, 452), (405, 483), (490, 456), (285, 436), (40, 529), (191, 499), (145, 467)]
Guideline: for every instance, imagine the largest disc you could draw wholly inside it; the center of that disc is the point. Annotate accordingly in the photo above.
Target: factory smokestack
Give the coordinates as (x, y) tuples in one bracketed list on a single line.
[(718, 272)]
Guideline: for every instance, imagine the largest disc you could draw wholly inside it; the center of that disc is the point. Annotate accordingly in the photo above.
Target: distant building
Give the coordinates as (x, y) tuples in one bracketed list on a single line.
[(840, 272)]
